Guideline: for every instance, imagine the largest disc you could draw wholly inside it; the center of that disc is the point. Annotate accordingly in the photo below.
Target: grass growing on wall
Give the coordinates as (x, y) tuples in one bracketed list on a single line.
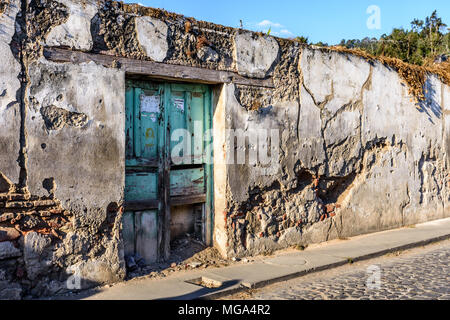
[(413, 75)]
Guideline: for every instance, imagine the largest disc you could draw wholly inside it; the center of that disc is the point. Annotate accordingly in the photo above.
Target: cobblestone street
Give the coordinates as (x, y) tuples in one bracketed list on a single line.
[(418, 274)]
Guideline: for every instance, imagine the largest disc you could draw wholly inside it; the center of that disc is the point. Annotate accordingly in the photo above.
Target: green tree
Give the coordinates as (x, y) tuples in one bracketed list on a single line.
[(302, 39), (425, 40)]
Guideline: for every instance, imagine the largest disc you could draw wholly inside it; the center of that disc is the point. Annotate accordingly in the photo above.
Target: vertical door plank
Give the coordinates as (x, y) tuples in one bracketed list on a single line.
[(164, 180), (147, 235), (129, 135), (150, 124), (128, 233), (137, 123), (198, 120), (208, 156), (177, 108), (166, 198)]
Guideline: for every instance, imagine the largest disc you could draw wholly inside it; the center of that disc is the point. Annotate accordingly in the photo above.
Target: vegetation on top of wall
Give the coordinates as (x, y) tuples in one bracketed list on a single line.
[(167, 16), (413, 75), (426, 40), (152, 12), (412, 53)]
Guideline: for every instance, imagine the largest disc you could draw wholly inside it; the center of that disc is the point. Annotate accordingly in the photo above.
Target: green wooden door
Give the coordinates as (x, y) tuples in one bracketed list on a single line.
[(167, 134)]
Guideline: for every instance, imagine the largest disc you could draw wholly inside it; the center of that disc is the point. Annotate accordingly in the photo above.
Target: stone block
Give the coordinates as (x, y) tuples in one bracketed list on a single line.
[(152, 36), (76, 31), (254, 55)]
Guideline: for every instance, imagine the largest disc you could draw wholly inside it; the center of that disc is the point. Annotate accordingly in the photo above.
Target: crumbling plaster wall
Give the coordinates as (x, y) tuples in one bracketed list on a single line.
[(357, 155), (83, 104), (10, 119), (60, 218)]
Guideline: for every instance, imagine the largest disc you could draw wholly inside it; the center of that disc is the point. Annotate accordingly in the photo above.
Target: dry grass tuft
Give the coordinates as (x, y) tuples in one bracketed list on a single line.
[(442, 70), (152, 12), (3, 5), (202, 42), (413, 75), (187, 26)]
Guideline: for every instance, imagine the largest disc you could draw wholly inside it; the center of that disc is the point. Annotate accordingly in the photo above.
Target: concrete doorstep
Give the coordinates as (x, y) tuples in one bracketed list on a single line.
[(215, 283)]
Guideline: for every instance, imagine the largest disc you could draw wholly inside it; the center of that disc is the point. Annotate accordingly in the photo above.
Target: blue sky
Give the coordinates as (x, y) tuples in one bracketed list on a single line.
[(320, 20)]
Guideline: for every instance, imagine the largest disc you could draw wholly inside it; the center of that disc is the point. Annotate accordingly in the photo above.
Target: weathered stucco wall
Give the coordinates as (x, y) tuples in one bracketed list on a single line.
[(83, 104), (357, 156), (10, 118), (60, 220), (356, 153)]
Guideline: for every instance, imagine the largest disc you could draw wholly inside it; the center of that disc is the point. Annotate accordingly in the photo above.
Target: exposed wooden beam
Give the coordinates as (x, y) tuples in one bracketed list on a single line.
[(155, 69), (174, 201)]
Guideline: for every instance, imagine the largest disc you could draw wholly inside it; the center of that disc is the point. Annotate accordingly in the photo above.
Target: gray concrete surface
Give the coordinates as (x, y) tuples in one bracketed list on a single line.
[(269, 270), (419, 274)]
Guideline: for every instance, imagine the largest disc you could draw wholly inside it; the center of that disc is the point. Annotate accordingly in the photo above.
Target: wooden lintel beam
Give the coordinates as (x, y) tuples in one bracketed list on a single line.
[(155, 69)]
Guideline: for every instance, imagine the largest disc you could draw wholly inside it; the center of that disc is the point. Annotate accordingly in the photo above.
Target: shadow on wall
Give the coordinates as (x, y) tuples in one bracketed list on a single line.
[(430, 106)]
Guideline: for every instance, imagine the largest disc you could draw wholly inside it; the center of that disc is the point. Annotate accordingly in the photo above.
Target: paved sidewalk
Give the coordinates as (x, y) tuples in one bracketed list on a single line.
[(421, 273), (269, 270)]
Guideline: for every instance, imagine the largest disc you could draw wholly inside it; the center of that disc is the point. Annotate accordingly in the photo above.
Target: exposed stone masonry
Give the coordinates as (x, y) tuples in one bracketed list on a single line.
[(24, 217)]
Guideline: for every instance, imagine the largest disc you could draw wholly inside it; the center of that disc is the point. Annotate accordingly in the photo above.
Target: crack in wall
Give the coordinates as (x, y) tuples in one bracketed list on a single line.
[(19, 41), (353, 104), (315, 198), (327, 117), (26, 47), (405, 205)]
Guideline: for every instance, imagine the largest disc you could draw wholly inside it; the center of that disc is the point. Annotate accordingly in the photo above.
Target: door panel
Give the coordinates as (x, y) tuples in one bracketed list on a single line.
[(140, 234), (198, 120), (179, 125), (150, 110), (187, 182), (137, 149), (141, 186), (155, 112), (146, 230)]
